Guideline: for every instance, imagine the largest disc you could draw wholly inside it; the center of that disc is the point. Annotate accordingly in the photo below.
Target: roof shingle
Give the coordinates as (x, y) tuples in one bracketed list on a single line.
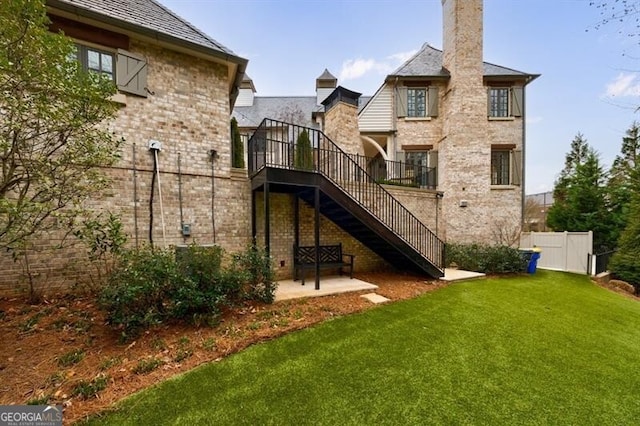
[(146, 15)]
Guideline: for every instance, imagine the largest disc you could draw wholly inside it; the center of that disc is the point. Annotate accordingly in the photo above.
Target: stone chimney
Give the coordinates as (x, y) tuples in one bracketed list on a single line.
[(246, 92), (465, 151), (462, 39), (325, 84), (341, 120)]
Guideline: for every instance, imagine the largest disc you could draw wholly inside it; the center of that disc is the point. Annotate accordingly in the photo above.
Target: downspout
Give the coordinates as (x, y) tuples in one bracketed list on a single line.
[(184, 237), (213, 154), (135, 194), (524, 156)]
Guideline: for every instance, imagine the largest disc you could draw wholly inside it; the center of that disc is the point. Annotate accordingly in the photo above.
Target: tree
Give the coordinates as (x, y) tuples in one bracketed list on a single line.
[(580, 196), (626, 13), (237, 146), (304, 152), (624, 178), (53, 137)]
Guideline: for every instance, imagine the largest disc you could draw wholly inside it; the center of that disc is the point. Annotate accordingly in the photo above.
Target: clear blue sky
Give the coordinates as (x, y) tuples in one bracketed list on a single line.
[(589, 84)]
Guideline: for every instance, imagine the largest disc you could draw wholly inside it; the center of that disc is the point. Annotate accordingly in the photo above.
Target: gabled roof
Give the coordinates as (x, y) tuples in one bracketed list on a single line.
[(149, 18), (428, 63)]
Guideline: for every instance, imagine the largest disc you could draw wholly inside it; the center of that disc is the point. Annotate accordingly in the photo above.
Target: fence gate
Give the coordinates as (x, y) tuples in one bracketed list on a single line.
[(561, 251)]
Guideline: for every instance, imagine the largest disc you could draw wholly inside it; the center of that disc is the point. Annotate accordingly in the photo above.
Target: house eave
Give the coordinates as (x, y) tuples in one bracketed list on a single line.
[(237, 65)]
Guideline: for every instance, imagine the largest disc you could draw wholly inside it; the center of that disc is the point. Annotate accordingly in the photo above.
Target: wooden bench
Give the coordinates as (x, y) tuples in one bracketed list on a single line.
[(304, 257)]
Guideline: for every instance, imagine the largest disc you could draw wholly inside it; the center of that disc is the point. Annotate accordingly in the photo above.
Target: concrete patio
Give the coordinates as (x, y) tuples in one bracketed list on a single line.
[(335, 284), (289, 289)]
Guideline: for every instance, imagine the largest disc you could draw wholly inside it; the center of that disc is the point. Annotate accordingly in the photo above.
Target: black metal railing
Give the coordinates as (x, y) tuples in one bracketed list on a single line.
[(397, 172), (281, 145), (602, 261)]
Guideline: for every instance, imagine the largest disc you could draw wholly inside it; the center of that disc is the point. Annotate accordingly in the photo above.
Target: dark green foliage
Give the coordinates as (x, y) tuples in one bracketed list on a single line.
[(304, 152), (150, 286), (580, 197), (237, 147), (71, 358), (86, 390), (485, 258), (147, 365), (136, 294), (625, 263), (254, 266)]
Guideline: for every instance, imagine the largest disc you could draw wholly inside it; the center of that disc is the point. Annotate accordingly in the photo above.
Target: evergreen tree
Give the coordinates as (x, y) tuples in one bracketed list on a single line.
[(580, 196), (304, 152), (624, 178), (237, 147)]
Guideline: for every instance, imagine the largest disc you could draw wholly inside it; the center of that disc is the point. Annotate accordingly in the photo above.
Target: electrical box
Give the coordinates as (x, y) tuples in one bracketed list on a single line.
[(186, 229)]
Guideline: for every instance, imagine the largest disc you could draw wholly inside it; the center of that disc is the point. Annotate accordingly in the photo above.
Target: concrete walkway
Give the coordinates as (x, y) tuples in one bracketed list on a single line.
[(460, 275), (289, 289)]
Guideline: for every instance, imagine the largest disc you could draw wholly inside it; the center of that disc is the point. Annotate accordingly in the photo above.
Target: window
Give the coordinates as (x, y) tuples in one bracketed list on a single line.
[(499, 102), (416, 102), (500, 167), (96, 60)]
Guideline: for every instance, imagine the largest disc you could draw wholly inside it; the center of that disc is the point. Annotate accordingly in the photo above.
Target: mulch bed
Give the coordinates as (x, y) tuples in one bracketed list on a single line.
[(49, 349)]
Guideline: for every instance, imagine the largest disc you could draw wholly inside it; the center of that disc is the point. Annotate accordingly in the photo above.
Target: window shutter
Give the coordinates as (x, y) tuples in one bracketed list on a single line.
[(131, 73), (516, 172), (401, 101), (489, 102), (433, 101), (433, 162), (516, 101), (400, 156)]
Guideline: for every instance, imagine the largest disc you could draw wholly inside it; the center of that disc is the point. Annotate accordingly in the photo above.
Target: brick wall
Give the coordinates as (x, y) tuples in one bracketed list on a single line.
[(282, 235), (188, 113)]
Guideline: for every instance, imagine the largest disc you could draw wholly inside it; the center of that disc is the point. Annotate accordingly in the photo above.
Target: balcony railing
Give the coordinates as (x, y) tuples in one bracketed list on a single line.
[(278, 145)]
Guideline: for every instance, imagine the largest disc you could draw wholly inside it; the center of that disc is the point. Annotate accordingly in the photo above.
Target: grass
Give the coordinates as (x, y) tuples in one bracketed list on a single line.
[(546, 349)]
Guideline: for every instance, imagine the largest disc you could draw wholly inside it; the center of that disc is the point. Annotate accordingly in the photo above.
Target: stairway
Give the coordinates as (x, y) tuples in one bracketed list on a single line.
[(348, 195)]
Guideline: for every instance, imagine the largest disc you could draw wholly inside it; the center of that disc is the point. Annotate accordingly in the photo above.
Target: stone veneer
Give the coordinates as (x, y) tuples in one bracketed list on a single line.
[(188, 113), (341, 126)]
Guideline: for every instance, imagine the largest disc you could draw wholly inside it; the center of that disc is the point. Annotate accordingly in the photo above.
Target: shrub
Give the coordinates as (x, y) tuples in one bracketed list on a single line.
[(86, 390), (304, 152), (237, 155), (485, 258), (625, 266), (255, 267), (624, 263), (71, 358), (136, 294), (147, 365), (150, 286)]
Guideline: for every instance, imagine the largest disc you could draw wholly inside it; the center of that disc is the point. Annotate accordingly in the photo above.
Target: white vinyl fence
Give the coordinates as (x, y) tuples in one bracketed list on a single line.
[(561, 251)]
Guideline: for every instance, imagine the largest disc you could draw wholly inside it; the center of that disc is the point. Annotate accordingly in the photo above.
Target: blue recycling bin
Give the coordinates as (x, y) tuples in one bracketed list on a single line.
[(533, 262)]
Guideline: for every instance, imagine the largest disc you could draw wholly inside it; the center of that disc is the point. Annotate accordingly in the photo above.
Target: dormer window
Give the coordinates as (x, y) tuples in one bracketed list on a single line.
[(416, 102)]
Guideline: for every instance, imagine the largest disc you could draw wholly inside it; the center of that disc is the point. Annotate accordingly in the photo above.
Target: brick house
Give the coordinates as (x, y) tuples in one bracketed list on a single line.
[(176, 89), (446, 125), (445, 122)]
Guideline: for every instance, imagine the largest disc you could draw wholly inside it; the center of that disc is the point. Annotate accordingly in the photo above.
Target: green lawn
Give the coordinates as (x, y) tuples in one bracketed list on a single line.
[(546, 349)]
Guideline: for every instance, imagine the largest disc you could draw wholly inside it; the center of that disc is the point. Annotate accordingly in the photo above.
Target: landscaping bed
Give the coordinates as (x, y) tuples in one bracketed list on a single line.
[(62, 352)]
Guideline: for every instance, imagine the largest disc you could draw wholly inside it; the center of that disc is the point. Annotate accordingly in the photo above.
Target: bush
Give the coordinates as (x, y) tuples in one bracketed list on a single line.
[(150, 286), (304, 152), (485, 258), (136, 294), (625, 266)]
